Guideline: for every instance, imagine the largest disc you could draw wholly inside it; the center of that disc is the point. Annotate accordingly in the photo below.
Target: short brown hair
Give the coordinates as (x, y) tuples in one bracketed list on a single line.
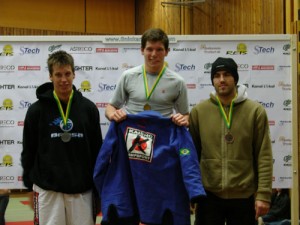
[(60, 58), (155, 34)]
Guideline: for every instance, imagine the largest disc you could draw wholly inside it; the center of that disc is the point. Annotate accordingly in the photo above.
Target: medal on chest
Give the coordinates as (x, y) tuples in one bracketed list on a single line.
[(147, 107), (65, 136), (229, 139), (148, 93)]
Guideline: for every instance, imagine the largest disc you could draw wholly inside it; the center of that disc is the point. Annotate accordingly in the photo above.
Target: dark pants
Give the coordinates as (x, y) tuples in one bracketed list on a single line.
[(4, 199), (216, 211), (113, 218)]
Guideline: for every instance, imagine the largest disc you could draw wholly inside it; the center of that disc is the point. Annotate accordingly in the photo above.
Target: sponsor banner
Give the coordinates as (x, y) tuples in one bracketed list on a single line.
[(264, 66)]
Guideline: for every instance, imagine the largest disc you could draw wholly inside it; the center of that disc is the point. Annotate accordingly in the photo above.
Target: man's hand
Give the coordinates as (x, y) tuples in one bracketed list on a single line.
[(115, 114), (193, 208), (180, 120), (118, 116), (261, 208)]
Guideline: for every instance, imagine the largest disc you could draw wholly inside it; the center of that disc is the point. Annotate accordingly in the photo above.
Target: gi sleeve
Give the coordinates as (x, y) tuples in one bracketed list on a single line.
[(189, 165)]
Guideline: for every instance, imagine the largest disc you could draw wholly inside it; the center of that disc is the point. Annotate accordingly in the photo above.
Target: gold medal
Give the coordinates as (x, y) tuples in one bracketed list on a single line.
[(229, 138), (147, 92), (147, 107)]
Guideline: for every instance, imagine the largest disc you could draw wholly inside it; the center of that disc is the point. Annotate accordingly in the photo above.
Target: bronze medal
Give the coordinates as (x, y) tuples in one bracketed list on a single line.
[(147, 107), (65, 137), (227, 118), (229, 138)]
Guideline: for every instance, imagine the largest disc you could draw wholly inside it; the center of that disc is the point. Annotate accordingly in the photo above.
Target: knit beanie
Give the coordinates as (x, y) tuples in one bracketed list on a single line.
[(227, 64)]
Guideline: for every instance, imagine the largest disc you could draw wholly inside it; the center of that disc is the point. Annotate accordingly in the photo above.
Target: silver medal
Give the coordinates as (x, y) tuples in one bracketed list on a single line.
[(65, 137)]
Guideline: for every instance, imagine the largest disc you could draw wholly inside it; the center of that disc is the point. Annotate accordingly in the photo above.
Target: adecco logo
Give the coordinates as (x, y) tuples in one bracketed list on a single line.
[(243, 66), (81, 49), (7, 68), (4, 178), (7, 123)]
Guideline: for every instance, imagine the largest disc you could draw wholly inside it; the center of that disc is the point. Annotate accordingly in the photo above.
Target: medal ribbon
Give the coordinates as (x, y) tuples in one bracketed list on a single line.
[(228, 119), (148, 94), (61, 111)]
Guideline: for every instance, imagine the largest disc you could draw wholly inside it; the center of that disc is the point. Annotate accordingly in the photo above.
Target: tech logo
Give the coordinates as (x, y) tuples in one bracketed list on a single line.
[(7, 104), (106, 87), (267, 104), (31, 51), (263, 50), (183, 67), (24, 104)]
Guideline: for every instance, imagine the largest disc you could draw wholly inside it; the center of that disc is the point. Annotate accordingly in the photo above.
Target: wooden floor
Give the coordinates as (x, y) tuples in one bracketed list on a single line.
[(18, 211)]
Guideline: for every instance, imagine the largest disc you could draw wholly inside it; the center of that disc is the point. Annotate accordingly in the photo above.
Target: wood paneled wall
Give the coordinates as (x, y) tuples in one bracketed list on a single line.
[(62, 16), (151, 13), (213, 17), (239, 17), (135, 16), (66, 15), (30, 17), (110, 17)]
